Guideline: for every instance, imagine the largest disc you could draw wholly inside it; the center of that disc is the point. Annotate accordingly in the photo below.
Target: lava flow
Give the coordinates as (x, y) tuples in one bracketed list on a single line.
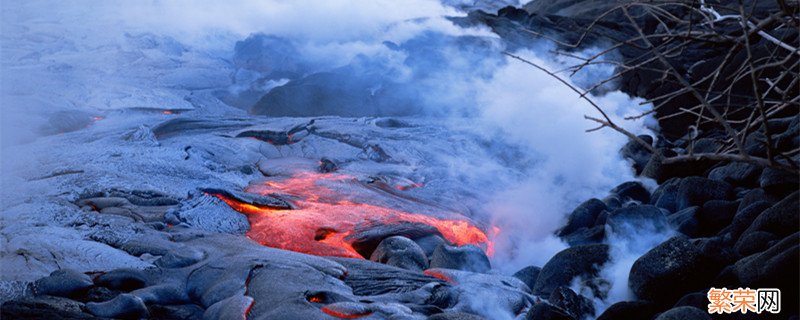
[(324, 218)]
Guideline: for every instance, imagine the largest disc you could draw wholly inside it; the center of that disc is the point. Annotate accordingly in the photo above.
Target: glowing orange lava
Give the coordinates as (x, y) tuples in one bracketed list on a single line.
[(324, 215), (343, 315), (440, 275)]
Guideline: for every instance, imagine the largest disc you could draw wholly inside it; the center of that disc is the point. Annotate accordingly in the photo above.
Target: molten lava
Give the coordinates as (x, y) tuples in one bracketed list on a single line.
[(440, 275), (344, 315), (324, 216)]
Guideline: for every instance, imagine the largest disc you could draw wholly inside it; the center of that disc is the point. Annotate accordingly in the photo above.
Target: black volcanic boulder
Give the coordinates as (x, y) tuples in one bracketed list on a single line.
[(736, 173), (754, 242), (455, 316), (528, 275), (745, 216), (629, 310), (697, 299), (716, 214), (467, 257), (124, 306), (681, 313), (585, 235), (583, 260), (400, 252), (693, 191), (778, 182), (686, 221), (429, 243), (774, 268), (546, 311), (44, 307), (782, 219), (574, 304), (62, 283), (632, 190), (124, 279), (633, 220), (666, 195), (716, 251), (680, 193), (583, 216), (637, 153), (669, 270)]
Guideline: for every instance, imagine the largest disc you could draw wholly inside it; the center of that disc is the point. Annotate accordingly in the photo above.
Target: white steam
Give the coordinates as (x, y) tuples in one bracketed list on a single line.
[(535, 110)]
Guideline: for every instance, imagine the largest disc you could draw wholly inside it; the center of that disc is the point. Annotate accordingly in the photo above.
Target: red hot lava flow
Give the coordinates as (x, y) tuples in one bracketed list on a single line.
[(323, 218)]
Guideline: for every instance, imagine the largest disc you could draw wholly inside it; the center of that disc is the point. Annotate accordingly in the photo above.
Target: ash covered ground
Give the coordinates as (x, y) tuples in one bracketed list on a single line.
[(340, 160)]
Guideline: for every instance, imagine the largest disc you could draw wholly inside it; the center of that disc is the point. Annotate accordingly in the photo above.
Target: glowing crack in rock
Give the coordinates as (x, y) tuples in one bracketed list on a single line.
[(326, 214)]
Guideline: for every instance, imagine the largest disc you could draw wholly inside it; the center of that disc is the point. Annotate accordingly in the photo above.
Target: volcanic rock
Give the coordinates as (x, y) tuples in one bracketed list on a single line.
[(455, 316), (681, 313), (665, 196), (167, 293), (656, 169), (124, 306), (250, 198), (467, 257), (400, 252), (528, 275), (667, 271), (716, 251), (754, 242), (632, 190), (583, 261), (100, 203), (233, 307), (681, 193), (637, 153), (693, 191), (98, 294), (778, 182), (66, 121), (686, 221), (715, 215), (122, 279), (585, 235), (781, 219), (43, 307), (737, 174), (546, 311), (745, 216), (773, 268), (327, 165), (180, 258), (574, 304), (63, 283), (756, 195), (368, 278), (365, 240), (629, 310), (583, 216), (430, 243), (695, 299), (177, 312), (633, 220)]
